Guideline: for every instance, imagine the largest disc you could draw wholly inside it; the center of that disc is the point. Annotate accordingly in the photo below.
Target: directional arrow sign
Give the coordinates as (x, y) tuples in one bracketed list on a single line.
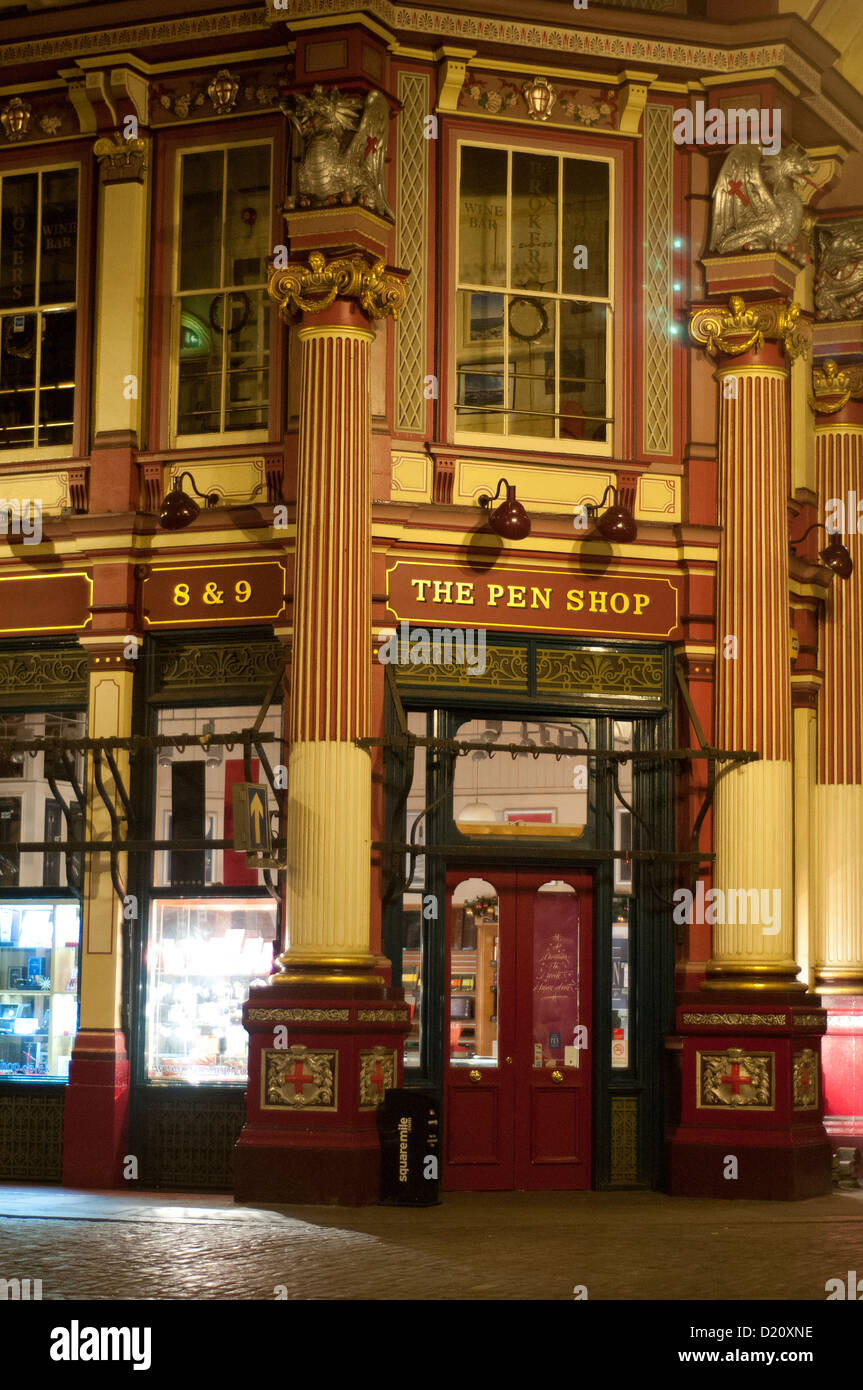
[(251, 817)]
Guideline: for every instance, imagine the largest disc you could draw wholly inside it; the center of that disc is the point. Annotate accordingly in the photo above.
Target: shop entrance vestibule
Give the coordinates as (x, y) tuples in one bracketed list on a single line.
[(518, 993)]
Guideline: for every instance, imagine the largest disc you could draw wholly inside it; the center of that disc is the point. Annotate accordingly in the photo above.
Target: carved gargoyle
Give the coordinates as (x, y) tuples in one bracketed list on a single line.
[(756, 206), (839, 270), (344, 149)]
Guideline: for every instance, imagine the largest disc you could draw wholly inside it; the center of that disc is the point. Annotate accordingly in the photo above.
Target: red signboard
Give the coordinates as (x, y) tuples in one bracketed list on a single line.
[(239, 591), (45, 602), (534, 600)]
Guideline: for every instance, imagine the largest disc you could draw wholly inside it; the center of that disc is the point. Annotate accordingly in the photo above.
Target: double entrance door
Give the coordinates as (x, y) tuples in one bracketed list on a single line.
[(518, 1002)]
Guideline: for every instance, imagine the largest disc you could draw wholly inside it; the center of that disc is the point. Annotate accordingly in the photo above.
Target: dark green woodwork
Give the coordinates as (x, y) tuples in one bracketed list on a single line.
[(591, 682), (49, 678)]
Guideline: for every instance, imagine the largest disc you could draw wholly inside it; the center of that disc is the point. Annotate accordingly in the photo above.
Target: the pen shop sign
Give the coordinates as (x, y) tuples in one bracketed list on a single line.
[(239, 591), (534, 600)]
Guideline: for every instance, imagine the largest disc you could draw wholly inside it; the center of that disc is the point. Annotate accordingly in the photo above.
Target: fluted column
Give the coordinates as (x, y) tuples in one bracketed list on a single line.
[(329, 837), (838, 794), (753, 822), (329, 777)]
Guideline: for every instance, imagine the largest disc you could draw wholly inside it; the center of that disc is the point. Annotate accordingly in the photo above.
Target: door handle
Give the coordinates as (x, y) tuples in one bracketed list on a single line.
[(508, 1061), (474, 1075), (557, 1077)]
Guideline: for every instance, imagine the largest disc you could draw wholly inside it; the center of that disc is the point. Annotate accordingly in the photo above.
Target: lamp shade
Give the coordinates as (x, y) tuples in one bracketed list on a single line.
[(178, 510), (476, 813), (617, 524), (510, 520), (838, 558)]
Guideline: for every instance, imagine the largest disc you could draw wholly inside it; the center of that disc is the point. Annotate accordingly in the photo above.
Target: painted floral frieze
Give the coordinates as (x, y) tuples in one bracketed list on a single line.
[(594, 107)]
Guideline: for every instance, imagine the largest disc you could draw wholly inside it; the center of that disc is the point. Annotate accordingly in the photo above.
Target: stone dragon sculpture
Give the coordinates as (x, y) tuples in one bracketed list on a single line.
[(756, 205), (344, 146)]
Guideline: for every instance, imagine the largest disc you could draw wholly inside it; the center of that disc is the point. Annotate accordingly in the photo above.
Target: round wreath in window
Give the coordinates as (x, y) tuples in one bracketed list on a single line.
[(240, 309), (527, 318)]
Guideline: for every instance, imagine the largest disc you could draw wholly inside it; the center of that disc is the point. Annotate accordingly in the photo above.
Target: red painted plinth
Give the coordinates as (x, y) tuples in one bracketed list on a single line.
[(318, 1069), (751, 1099), (842, 1063), (97, 1111)]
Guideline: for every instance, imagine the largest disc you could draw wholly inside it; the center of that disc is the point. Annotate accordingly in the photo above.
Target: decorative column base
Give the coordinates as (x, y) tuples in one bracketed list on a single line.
[(751, 1109), (322, 1051), (96, 1124), (842, 1060)]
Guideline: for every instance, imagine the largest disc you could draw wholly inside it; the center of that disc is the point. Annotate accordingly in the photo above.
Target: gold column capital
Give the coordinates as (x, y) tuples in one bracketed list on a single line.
[(314, 286), (121, 160), (736, 330), (834, 386)]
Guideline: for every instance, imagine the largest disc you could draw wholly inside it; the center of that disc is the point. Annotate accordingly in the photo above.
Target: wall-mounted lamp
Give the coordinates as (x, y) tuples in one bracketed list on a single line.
[(835, 555), (509, 520), (178, 509), (616, 524)]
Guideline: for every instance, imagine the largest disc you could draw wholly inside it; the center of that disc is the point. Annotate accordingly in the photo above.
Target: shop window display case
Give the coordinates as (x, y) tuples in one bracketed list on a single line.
[(39, 944), (203, 954)]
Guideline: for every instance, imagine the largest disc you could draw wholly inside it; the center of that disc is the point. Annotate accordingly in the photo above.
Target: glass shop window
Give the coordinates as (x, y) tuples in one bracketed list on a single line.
[(202, 956), (524, 795), (40, 799), (212, 924), (473, 962), (221, 311), (38, 280), (39, 945), (534, 298)]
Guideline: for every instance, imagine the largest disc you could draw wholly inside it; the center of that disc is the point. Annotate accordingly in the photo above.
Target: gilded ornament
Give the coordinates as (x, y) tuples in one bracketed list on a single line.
[(736, 1078), (810, 1020), (344, 149), (121, 159), (831, 387), (805, 1079), (378, 1073), (383, 1015), (15, 118), (297, 1078), (736, 330), (735, 1020), (839, 270), (756, 205), (299, 1015), (313, 287)]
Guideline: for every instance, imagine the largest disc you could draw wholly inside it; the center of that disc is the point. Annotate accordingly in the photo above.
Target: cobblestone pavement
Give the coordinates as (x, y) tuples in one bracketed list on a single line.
[(494, 1246)]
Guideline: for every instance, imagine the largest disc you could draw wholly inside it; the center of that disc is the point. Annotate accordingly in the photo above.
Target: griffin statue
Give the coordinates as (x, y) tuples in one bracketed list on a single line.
[(756, 206), (839, 273), (344, 148)]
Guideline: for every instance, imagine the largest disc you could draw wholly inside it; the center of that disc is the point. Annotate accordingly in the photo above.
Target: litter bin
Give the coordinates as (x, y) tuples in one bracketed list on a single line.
[(409, 1129)]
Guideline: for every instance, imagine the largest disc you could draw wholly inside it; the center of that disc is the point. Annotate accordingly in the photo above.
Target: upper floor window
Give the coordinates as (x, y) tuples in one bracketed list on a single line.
[(534, 298), (221, 320), (38, 287)]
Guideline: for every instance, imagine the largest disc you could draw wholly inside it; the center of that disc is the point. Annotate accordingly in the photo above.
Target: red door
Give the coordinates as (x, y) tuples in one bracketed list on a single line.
[(518, 996)]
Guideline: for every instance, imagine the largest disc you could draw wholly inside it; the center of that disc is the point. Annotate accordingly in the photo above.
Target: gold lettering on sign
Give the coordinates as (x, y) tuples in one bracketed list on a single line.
[(212, 594)]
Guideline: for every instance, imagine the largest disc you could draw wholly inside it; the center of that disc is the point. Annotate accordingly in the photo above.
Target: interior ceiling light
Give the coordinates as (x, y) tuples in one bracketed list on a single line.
[(835, 555), (615, 524), (509, 520), (178, 509)]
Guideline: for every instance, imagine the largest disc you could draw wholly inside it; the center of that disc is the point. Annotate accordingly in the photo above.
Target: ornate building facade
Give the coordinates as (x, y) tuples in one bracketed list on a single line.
[(430, 596)]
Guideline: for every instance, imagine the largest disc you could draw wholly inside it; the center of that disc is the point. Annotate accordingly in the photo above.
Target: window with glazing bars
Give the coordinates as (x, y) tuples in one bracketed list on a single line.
[(38, 285), (221, 317)]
